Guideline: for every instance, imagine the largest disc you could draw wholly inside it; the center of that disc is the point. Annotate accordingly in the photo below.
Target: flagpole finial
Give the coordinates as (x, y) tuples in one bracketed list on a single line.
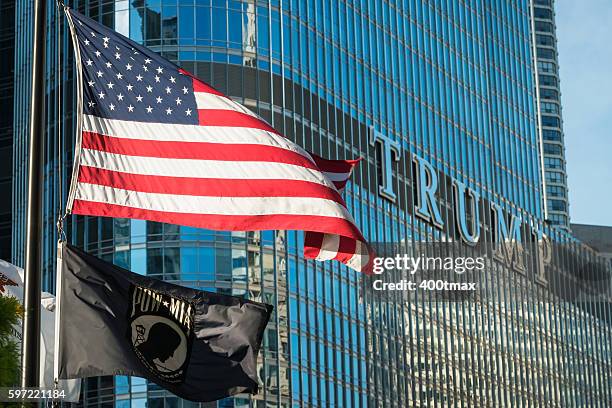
[(61, 5)]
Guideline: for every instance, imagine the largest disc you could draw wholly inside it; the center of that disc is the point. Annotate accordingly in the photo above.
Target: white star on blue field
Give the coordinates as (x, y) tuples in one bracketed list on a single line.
[(122, 80)]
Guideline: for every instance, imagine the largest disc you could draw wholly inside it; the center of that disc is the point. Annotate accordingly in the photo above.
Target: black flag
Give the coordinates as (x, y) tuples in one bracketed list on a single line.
[(199, 345)]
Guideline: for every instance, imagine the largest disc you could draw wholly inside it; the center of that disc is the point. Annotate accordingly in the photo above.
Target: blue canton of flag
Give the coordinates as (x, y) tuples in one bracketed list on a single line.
[(123, 80)]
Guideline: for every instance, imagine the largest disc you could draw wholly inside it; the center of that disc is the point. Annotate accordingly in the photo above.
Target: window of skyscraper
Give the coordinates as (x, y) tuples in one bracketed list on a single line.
[(550, 148), (553, 135), (555, 191), (551, 121), (544, 27), (557, 205), (543, 13), (547, 93), (549, 107), (554, 177), (546, 53), (548, 80), (547, 40), (553, 162)]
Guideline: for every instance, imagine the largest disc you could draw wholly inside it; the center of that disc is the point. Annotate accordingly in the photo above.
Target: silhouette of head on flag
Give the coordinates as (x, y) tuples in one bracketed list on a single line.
[(161, 343)]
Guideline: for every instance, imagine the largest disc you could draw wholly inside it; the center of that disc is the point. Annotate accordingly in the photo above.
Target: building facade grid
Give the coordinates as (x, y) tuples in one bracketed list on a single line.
[(452, 82)]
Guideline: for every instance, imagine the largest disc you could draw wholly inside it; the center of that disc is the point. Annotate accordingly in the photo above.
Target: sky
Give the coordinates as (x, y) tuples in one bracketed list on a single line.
[(584, 33)]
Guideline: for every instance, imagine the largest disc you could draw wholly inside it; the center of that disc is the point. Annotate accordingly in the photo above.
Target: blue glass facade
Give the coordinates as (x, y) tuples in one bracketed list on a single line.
[(551, 122), (452, 82), (7, 41)]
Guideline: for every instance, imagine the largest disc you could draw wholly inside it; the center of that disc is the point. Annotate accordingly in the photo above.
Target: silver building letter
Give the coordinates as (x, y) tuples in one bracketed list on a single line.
[(459, 188), (390, 150), (507, 246), (426, 186), (543, 250)]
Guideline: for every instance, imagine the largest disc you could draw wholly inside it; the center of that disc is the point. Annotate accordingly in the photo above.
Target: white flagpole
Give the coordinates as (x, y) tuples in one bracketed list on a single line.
[(58, 302), (61, 8)]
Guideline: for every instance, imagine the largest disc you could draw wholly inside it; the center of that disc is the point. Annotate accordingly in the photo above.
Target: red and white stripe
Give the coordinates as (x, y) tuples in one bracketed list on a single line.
[(322, 246), (233, 171)]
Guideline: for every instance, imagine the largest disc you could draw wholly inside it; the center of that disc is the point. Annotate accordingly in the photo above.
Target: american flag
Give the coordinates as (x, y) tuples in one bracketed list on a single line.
[(158, 144)]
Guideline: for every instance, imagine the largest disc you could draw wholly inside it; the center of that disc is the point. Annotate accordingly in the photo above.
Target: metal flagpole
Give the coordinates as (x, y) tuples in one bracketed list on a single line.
[(31, 323), (58, 299), (60, 220)]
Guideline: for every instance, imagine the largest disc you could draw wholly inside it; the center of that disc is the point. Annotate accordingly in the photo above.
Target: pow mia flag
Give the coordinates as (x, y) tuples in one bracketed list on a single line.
[(199, 345), (160, 332)]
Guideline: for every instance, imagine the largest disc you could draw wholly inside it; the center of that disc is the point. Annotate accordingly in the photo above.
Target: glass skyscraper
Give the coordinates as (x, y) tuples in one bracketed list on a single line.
[(451, 82), (549, 93), (7, 48)]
